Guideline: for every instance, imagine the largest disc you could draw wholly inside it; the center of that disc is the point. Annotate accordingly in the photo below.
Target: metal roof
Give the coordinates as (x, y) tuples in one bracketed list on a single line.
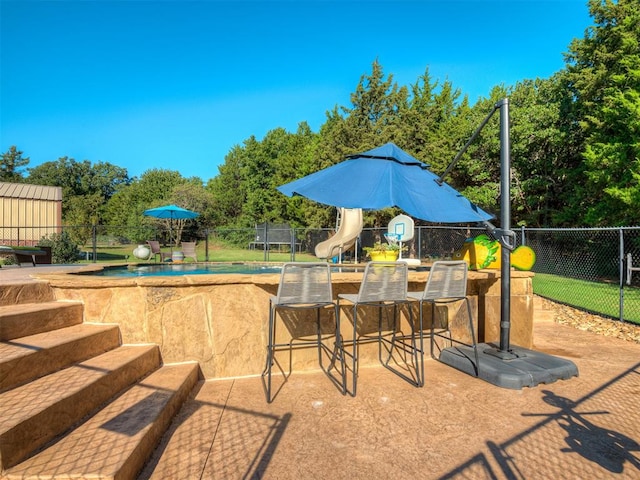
[(32, 192)]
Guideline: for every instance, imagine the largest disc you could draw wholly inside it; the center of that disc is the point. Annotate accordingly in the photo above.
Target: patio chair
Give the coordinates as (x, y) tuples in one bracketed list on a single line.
[(154, 246), (304, 286), (384, 286), (189, 250), (447, 283)]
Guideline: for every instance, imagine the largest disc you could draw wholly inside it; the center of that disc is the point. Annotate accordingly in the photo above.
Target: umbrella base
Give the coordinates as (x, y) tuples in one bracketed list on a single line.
[(516, 368)]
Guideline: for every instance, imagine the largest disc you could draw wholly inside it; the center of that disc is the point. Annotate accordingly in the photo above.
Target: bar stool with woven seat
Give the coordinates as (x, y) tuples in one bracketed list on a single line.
[(447, 283), (304, 286), (384, 286)]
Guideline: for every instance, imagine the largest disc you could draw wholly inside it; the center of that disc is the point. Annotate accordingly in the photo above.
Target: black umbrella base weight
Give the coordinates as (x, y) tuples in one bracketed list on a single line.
[(519, 367)]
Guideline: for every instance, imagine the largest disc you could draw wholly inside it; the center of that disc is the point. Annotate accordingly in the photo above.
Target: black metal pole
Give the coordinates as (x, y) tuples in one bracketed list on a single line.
[(293, 244), (504, 234), (505, 225), (265, 245), (94, 242), (206, 244)]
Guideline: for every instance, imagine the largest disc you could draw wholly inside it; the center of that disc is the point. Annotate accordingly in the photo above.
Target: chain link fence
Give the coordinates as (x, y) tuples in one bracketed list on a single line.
[(592, 269), (597, 270)]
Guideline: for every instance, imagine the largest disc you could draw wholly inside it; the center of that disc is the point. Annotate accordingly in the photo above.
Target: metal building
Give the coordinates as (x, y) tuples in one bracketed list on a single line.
[(28, 213)]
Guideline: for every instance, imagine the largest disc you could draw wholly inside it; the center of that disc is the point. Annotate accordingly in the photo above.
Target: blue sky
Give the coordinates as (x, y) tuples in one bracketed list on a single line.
[(176, 84)]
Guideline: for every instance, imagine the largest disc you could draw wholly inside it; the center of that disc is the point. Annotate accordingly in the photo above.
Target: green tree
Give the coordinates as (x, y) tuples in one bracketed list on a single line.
[(258, 171), (228, 188), (435, 124), (373, 118), (477, 174), (193, 196), (603, 74), (82, 215), (12, 162), (538, 154), (81, 179), (298, 159), (154, 188)]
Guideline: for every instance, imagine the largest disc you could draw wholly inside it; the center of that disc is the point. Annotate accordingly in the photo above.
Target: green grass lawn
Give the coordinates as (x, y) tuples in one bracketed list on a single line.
[(596, 297), (217, 253)]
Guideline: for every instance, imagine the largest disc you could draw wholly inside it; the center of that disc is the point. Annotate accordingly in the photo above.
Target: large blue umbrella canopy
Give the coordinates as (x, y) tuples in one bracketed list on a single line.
[(383, 177)]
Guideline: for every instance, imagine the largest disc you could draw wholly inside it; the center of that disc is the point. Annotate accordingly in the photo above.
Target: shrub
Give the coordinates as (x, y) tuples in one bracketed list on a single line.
[(63, 249)]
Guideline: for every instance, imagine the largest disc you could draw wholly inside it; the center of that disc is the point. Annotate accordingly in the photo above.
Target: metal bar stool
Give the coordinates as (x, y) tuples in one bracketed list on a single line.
[(305, 286), (384, 286), (447, 283)]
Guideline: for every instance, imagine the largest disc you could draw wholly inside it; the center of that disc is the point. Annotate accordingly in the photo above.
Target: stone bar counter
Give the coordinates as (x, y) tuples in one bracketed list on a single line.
[(221, 320)]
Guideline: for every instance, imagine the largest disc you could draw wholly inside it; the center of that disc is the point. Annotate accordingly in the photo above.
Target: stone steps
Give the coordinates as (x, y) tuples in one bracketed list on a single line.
[(30, 292), (116, 442), (28, 358), (26, 319), (75, 402), (37, 412)]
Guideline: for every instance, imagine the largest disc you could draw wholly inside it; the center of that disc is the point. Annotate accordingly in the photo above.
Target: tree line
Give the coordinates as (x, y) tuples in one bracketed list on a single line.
[(575, 148)]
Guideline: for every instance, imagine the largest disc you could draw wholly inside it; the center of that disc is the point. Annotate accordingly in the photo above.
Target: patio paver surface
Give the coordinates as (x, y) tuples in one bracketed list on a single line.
[(455, 427)]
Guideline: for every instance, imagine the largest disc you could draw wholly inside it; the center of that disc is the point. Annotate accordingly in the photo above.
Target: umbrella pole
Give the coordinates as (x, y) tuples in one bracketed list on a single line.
[(504, 234), (507, 235), (505, 223), (171, 236), (507, 366)]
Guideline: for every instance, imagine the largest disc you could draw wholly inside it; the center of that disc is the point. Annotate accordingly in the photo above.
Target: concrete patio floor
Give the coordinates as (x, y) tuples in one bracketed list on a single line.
[(456, 426)]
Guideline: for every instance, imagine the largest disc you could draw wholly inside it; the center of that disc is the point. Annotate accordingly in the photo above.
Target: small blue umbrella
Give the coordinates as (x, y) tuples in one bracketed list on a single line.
[(171, 213), (383, 177)]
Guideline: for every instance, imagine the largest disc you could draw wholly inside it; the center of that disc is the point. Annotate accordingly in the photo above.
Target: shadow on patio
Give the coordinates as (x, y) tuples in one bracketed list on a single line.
[(455, 427)]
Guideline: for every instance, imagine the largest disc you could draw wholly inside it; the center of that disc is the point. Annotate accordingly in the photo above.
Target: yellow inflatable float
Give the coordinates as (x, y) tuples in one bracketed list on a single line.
[(482, 252)]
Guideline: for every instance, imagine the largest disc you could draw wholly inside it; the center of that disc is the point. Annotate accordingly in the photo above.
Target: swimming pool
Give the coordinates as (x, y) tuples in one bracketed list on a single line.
[(176, 270)]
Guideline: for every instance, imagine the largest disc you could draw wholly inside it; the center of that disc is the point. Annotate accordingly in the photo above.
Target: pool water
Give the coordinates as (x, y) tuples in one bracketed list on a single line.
[(176, 270), (185, 269)]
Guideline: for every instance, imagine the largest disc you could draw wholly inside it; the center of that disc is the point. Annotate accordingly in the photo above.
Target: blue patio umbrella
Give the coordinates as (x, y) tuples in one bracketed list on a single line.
[(171, 213), (383, 177)]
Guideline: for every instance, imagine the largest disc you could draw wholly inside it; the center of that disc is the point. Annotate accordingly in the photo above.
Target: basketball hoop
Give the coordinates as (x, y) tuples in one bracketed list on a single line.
[(392, 238)]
